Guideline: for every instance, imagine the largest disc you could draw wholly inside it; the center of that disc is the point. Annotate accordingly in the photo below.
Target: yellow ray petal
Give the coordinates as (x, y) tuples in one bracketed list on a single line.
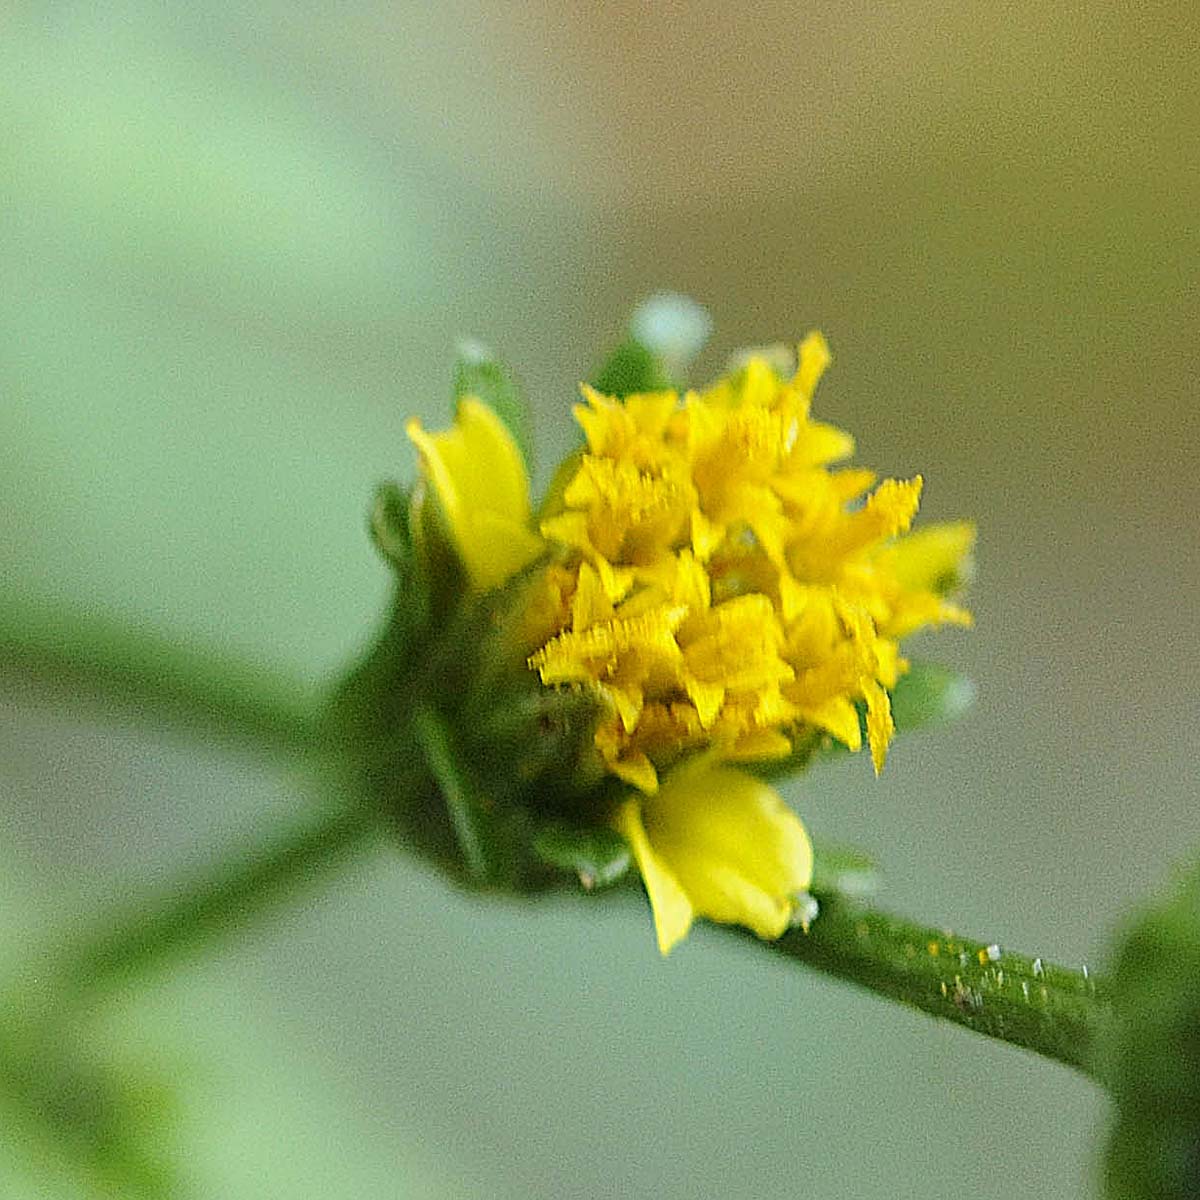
[(669, 903), (814, 358), (839, 717), (880, 725), (933, 559), (760, 745), (739, 852), (478, 476)]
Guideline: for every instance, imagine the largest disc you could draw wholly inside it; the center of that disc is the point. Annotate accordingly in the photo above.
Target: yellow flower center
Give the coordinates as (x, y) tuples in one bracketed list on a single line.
[(724, 585)]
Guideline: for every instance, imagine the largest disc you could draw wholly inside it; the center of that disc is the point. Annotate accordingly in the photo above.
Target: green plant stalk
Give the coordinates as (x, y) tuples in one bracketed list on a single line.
[(232, 893), (1057, 1012), (152, 677), (1053, 1011)]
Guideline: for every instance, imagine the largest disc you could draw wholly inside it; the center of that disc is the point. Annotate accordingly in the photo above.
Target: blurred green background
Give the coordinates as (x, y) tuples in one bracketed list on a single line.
[(237, 245)]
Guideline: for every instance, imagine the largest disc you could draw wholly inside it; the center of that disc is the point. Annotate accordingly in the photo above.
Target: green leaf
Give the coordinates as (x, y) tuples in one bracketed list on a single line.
[(597, 854), (115, 1121), (1154, 1058), (930, 695), (478, 373)]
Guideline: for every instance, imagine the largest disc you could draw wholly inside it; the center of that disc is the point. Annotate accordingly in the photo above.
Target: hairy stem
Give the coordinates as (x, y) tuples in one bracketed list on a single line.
[(1054, 1011), (1057, 1012)]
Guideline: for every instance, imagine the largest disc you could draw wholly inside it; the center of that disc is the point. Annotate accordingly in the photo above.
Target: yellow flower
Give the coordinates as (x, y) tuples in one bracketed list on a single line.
[(723, 585), (477, 473), (720, 587), (715, 842)]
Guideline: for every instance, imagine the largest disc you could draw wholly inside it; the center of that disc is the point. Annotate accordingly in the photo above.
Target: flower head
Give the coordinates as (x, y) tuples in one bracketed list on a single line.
[(718, 588), (726, 585)]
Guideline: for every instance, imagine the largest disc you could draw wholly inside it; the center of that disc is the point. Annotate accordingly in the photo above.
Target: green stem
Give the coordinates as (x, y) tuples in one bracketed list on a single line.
[(217, 901), (193, 687), (1057, 1012)]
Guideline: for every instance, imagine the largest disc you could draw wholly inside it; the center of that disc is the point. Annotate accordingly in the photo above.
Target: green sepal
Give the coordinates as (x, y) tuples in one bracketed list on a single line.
[(389, 525), (460, 745), (632, 367), (666, 331), (391, 533), (554, 501), (1153, 1061), (928, 695), (490, 836), (599, 856), (531, 737), (843, 871), (477, 373), (439, 575)]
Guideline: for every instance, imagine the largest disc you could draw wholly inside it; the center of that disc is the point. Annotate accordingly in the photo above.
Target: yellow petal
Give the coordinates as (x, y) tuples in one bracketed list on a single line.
[(707, 697), (818, 444), (668, 901), (760, 745), (814, 358), (477, 473), (570, 528), (591, 604), (788, 583), (493, 475), (628, 701), (740, 854), (475, 464), (631, 427), (650, 411), (596, 421), (706, 536), (914, 610), (721, 893), (759, 382), (893, 505), (494, 549), (934, 559), (880, 725), (839, 717)]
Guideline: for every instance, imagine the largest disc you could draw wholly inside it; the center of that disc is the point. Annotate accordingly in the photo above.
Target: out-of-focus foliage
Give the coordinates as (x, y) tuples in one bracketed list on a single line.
[(1154, 1153)]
